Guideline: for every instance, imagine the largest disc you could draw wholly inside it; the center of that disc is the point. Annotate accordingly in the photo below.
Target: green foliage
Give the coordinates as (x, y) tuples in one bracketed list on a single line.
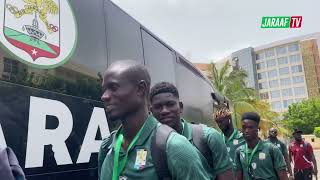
[(232, 84), (304, 115), (316, 132)]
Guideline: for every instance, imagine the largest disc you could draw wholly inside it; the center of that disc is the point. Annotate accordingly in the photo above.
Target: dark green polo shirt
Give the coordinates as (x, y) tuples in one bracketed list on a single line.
[(183, 160), (280, 145), (235, 140), (220, 156), (265, 162)]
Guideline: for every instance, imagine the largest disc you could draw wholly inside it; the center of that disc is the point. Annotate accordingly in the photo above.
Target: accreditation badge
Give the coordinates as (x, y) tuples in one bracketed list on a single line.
[(141, 159), (254, 165), (123, 178), (228, 149), (235, 142), (262, 156)]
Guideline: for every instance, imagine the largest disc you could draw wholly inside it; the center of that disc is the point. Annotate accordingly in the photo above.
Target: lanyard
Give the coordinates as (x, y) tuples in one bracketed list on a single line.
[(231, 137), (117, 169), (249, 159)]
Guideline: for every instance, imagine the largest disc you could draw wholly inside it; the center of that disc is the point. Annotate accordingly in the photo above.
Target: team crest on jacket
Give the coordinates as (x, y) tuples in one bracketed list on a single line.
[(41, 33)]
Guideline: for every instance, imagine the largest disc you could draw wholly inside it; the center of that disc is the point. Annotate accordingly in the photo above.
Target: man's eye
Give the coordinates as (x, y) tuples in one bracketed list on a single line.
[(113, 88)]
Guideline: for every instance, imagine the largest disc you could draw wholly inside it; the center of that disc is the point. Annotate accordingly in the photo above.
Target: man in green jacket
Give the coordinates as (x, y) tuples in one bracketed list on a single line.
[(126, 154), (166, 107), (232, 136), (258, 159), (273, 132)]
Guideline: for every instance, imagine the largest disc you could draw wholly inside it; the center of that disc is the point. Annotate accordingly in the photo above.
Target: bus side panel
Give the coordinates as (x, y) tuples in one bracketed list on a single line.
[(195, 92), (37, 120), (159, 59), (123, 35)]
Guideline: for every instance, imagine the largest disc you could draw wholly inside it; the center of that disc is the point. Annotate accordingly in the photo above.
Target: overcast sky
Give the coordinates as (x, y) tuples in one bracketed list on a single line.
[(206, 30)]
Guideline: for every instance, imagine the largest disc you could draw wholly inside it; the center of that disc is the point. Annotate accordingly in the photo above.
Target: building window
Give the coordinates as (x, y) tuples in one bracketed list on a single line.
[(293, 47), (272, 74), (269, 53), (245, 68), (261, 65), (281, 50), (285, 82), (259, 56), (296, 69), (297, 79), (271, 63), (263, 85), (264, 95), (284, 71), (286, 92), (299, 91), (273, 84), (295, 58), (262, 75), (287, 103), (275, 94), (276, 105), (283, 60)]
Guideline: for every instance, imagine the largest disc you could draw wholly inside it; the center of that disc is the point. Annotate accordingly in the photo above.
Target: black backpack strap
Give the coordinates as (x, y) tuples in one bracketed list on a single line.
[(158, 151), (200, 142), (305, 149)]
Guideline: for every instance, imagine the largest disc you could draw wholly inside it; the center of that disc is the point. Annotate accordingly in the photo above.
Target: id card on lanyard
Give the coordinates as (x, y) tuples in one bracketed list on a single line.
[(118, 166), (249, 159)]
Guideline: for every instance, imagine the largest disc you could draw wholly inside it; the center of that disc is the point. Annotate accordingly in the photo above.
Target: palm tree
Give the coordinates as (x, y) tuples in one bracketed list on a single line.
[(232, 84)]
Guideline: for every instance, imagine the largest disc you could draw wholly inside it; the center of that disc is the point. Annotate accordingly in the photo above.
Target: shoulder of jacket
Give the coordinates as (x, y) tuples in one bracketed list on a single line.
[(106, 142)]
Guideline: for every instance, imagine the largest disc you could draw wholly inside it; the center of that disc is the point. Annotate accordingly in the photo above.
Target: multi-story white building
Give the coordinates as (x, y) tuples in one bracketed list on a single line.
[(283, 72)]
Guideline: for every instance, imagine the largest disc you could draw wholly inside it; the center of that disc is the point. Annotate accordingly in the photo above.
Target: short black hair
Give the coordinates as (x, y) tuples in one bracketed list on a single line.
[(251, 116), (163, 87)]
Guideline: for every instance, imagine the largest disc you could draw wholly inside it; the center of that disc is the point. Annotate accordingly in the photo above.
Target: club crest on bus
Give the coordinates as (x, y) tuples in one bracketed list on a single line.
[(39, 32)]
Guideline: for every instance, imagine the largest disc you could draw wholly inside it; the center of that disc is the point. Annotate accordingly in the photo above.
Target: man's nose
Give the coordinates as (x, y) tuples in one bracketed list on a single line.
[(164, 110), (105, 96)]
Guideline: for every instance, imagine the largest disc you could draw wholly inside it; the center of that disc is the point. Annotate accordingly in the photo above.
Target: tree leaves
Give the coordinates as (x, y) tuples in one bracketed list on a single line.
[(304, 115), (232, 84)]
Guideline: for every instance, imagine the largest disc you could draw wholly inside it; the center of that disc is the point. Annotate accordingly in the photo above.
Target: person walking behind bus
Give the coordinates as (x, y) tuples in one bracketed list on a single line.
[(232, 136), (126, 153), (272, 138), (167, 108), (301, 154), (258, 159)]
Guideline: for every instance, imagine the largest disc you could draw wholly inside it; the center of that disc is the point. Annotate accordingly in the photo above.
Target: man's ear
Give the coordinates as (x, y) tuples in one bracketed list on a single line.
[(142, 88), (181, 106)]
